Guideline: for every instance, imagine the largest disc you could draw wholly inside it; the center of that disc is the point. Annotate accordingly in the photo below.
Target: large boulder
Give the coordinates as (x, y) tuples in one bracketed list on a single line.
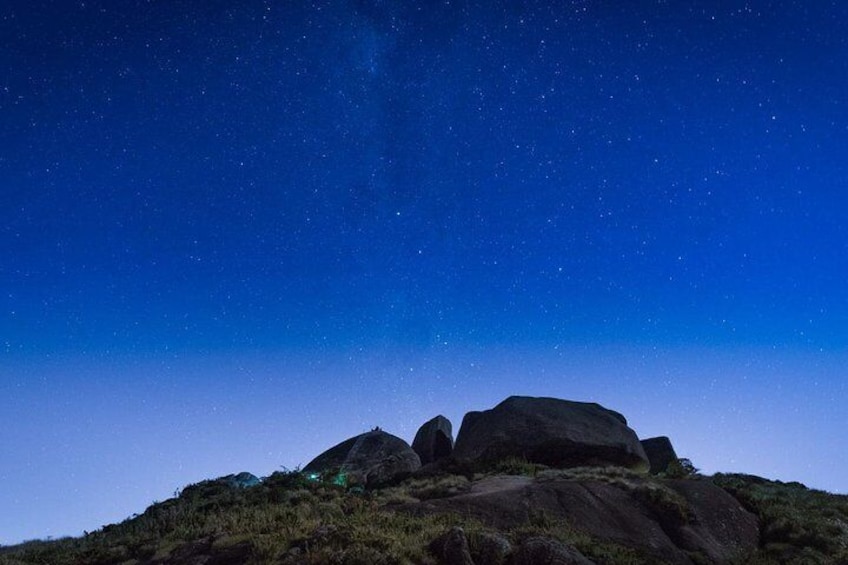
[(369, 459), (434, 440), (545, 551), (660, 453), (665, 521), (560, 433)]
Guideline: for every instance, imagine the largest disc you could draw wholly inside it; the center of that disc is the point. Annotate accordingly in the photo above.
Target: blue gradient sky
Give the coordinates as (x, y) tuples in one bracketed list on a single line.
[(234, 234)]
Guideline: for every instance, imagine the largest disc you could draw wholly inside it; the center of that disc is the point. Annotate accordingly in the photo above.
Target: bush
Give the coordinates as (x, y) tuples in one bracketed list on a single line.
[(680, 469)]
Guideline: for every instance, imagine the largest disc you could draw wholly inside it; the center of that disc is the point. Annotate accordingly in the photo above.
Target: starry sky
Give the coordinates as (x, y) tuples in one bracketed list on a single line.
[(233, 234)]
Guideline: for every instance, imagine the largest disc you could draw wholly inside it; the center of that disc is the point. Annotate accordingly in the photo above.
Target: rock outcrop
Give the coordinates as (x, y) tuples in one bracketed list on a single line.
[(242, 480), (717, 527), (545, 551), (370, 459), (550, 431), (434, 440), (586, 508), (660, 453), (668, 522)]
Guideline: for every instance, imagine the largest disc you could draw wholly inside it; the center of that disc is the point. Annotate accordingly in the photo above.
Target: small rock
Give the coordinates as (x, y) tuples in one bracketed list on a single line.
[(451, 548), (544, 551), (242, 480), (489, 548)]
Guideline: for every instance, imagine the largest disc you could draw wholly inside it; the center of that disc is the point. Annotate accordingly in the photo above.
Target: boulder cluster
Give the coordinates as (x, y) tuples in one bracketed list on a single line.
[(531, 481), (548, 431), (590, 470)]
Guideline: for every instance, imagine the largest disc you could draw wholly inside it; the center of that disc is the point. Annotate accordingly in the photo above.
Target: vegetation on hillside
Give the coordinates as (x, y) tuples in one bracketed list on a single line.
[(287, 512), (292, 518), (797, 524)]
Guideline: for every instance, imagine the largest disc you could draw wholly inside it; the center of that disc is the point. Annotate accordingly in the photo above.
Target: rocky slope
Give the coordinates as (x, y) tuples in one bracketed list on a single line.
[(504, 496)]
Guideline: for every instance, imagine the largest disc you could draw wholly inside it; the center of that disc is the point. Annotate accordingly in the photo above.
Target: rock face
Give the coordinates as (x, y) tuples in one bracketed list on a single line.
[(550, 431), (660, 453), (369, 459), (543, 551), (665, 525), (434, 440), (718, 528)]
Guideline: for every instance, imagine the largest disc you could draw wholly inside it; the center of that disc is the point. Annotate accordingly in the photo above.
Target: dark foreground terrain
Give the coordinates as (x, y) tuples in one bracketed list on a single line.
[(512, 513)]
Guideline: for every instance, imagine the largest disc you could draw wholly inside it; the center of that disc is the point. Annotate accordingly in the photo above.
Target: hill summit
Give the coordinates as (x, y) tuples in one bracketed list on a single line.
[(529, 481)]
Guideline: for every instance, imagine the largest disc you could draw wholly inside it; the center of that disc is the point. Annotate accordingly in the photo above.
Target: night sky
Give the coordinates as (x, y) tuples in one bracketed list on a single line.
[(233, 234)]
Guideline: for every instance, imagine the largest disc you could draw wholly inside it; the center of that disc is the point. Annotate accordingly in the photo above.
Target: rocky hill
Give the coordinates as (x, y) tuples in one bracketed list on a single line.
[(530, 481)]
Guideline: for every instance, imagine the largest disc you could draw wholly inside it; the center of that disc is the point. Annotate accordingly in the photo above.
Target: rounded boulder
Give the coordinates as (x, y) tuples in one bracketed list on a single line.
[(550, 431), (369, 459)]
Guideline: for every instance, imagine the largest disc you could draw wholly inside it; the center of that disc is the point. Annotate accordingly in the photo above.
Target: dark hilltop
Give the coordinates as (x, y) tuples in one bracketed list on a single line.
[(529, 481)]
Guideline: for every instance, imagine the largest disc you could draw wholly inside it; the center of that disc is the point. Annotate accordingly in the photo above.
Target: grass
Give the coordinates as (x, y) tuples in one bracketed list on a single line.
[(290, 516), (797, 524), (542, 525), (667, 505), (427, 488), (267, 521)]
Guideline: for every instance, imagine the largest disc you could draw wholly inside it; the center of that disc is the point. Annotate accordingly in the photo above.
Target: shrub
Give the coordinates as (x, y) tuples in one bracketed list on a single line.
[(516, 466), (680, 469)]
